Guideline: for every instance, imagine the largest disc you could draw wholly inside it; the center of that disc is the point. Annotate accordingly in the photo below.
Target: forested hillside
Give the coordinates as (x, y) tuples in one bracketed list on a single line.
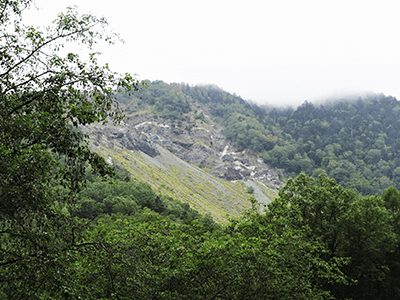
[(354, 141), (244, 124)]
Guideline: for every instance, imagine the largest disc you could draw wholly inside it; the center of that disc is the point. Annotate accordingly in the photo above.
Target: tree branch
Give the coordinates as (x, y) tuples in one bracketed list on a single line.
[(43, 45), (27, 81), (219, 291)]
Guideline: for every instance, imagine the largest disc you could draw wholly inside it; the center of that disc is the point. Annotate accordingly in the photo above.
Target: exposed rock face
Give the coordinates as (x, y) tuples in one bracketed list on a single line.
[(127, 138), (196, 142)]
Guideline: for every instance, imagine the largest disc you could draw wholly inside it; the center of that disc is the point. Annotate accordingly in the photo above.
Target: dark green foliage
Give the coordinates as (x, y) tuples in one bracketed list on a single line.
[(251, 258), (357, 229), (167, 101), (44, 95), (250, 190), (354, 142), (391, 198), (127, 197), (246, 131)]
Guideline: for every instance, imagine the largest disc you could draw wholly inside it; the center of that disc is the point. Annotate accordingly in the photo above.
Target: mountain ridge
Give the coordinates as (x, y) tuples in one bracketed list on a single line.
[(218, 175)]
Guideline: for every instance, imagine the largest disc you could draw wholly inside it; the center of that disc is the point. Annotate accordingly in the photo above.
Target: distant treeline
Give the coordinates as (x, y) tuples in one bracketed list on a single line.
[(355, 142)]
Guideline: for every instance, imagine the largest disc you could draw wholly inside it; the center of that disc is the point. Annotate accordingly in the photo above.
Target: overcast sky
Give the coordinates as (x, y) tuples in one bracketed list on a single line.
[(276, 52)]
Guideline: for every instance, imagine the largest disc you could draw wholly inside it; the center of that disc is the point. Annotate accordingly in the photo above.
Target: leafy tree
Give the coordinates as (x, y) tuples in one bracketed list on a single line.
[(391, 197), (255, 257), (45, 93), (368, 239), (350, 227)]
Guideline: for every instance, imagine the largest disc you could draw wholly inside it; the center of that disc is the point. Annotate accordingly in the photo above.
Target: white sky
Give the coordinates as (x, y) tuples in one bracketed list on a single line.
[(276, 52)]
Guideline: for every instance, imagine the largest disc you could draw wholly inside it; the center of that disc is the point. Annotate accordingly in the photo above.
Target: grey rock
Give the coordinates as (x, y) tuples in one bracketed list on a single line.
[(203, 145), (116, 135)]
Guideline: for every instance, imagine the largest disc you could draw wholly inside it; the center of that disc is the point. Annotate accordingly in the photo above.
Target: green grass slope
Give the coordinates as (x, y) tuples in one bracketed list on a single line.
[(169, 175)]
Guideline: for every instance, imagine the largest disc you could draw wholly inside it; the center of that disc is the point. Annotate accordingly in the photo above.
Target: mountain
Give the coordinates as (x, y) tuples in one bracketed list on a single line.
[(210, 148), (185, 155)]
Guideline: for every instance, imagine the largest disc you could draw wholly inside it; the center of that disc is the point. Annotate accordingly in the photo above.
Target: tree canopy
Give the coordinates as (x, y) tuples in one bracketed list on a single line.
[(45, 94), (353, 141)]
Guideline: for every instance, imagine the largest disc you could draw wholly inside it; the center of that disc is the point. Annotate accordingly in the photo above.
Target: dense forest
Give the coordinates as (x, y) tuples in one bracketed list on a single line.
[(74, 227), (355, 142), (352, 141), (317, 239)]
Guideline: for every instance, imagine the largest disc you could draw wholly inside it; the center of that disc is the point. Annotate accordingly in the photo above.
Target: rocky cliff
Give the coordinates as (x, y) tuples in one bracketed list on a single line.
[(200, 143)]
